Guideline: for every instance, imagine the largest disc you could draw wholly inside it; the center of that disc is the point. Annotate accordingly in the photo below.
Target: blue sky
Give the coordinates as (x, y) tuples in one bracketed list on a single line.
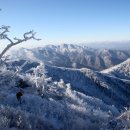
[(68, 21)]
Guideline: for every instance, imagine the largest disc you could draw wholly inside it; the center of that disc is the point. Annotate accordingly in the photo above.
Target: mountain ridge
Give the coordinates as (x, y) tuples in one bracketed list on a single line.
[(121, 70), (73, 56)]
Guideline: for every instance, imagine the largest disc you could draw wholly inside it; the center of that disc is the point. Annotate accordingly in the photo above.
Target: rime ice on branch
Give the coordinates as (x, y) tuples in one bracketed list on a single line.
[(3, 35)]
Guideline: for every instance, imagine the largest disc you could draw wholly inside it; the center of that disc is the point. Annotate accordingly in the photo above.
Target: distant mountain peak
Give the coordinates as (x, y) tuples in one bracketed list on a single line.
[(121, 70)]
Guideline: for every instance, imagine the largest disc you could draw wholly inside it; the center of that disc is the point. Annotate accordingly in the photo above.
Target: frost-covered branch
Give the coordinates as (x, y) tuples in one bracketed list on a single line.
[(3, 35), (4, 30), (19, 68)]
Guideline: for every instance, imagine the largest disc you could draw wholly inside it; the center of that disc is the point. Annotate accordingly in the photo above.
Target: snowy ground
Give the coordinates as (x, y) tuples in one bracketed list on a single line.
[(56, 107), (59, 108)]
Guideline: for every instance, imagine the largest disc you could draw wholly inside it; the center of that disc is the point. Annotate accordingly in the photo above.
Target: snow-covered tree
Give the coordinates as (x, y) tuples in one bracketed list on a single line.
[(74, 65), (61, 83), (12, 42), (40, 79), (68, 89)]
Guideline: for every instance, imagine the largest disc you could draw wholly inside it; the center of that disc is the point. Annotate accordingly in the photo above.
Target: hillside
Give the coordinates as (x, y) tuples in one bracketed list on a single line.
[(121, 71), (109, 89), (113, 91), (63, 98), (59, 107)]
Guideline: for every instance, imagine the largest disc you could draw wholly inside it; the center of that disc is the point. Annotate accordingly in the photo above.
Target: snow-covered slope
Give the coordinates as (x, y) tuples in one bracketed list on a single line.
[(121, 71), (60, 107), (93, 98), (111, 90), (69, 55), (121, 122)]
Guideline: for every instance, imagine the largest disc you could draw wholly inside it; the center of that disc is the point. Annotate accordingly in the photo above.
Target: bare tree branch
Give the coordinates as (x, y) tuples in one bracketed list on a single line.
[(4, 30), (26, 36), (6, 37)]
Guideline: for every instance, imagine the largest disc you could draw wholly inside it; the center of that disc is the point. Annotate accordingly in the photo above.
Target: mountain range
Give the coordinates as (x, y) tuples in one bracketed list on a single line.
[(112, 89), (73, 56), (80, 85)]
